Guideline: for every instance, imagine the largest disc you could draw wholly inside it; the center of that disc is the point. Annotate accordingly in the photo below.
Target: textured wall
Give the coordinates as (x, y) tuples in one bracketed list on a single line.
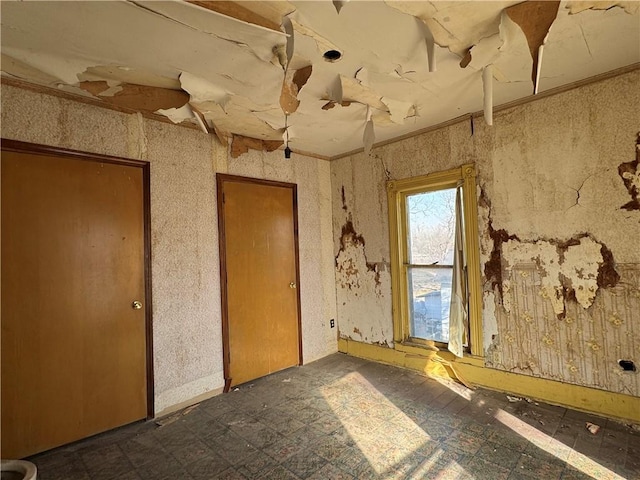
[(185, 263), (559, 230)]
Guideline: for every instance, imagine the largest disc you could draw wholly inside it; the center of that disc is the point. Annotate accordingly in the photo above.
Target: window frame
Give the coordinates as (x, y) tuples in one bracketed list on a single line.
[(397, 192)]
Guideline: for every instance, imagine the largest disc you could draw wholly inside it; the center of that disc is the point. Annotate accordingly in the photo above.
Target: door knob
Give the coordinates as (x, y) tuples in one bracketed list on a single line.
[(136, 305), (292, 285)]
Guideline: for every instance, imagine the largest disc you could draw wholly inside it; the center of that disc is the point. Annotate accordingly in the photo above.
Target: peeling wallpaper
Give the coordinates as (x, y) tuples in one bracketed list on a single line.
[(185, 262), (558, 232), (237, 77), (583, 347)]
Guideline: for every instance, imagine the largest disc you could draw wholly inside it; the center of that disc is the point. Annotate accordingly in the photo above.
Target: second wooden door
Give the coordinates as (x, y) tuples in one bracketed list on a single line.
[(259, 277)]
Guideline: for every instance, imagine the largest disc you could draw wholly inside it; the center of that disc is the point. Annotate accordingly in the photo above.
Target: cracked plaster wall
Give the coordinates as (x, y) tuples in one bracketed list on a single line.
[(185, 261), (561, 290)]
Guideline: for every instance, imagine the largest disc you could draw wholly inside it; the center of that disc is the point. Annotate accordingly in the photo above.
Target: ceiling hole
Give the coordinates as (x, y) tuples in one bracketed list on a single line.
[(332, 55), (627, 365)]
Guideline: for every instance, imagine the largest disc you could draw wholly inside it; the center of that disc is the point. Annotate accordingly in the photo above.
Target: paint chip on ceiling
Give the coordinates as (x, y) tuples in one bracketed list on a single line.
[(398, 59)]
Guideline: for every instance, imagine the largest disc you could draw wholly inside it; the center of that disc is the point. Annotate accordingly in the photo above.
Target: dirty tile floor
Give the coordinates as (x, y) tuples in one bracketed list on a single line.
[(347, 418)]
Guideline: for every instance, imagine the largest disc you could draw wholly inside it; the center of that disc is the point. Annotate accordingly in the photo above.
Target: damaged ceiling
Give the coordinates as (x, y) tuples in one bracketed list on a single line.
[(259, 74)]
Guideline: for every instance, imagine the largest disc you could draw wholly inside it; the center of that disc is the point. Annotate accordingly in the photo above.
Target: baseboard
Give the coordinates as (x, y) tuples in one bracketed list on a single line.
[(618, 406), (187, 403)]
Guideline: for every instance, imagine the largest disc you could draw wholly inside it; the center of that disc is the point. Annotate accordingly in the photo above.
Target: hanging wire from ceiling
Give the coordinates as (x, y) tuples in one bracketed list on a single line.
[(287, 150)]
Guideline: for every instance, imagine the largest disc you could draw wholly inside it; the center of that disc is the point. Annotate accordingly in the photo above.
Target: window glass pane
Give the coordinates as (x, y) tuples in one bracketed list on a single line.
[(430, 298), (431, 224)]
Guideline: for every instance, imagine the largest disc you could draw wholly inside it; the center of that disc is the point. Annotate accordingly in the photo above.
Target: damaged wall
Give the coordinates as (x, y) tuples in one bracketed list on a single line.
[(361, 245), (185, 263), (558, 232)]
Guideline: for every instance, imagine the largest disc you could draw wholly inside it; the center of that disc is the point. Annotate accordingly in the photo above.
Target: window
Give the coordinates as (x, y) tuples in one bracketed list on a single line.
[(431, 223), (435, 264)]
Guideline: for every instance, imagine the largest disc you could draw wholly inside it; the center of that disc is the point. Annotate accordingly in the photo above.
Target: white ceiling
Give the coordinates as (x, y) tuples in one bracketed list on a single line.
[(235, 72)]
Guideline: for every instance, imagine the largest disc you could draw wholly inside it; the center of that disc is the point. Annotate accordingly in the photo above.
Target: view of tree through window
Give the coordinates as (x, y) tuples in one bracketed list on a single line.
[(431, 222)]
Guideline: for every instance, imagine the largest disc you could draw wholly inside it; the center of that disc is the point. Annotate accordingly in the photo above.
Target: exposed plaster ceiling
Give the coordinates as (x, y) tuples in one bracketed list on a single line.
[(405, 65)]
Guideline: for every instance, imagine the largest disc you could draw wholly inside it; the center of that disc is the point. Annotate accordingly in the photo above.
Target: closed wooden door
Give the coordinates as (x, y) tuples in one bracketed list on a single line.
[(73, 346), (259, 277)]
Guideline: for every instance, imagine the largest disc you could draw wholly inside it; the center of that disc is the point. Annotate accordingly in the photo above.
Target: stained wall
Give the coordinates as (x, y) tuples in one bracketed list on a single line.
[(185, 263), (559, 232)]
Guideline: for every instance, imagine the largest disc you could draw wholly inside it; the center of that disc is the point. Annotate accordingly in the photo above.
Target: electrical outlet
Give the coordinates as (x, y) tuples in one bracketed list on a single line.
[(497, 358), (332, 323)]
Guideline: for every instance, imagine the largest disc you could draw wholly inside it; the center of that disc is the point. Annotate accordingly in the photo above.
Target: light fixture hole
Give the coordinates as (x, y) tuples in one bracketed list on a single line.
[(627, 365), (332, 55)]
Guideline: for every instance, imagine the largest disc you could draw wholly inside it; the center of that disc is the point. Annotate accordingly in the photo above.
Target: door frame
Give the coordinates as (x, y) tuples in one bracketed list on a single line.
[(221, 178), (37, 149)]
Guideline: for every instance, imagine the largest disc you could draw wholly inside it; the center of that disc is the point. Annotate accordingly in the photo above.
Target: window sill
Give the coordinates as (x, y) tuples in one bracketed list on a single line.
[(430, 350)]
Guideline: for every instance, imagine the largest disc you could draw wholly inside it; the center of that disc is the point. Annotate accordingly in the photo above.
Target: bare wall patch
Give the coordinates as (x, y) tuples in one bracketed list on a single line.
[(493, 266), (572, 269), (630, 174), (351, 259)]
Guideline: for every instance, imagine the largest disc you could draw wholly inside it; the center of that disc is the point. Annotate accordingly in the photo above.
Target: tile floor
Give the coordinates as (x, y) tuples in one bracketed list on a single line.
[(346, 418)]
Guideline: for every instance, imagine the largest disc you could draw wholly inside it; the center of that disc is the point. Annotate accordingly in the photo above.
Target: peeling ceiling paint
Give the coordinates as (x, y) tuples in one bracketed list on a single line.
[(404, 66)]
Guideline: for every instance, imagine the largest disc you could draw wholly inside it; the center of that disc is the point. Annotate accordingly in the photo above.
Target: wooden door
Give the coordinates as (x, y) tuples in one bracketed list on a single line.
[(73, 261), (259, 260)]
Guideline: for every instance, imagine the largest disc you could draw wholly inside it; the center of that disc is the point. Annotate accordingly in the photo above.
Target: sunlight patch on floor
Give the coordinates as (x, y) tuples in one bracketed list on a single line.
[(433, 469), (363, 418), (390, 440), (461, 390), (556, 448)]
